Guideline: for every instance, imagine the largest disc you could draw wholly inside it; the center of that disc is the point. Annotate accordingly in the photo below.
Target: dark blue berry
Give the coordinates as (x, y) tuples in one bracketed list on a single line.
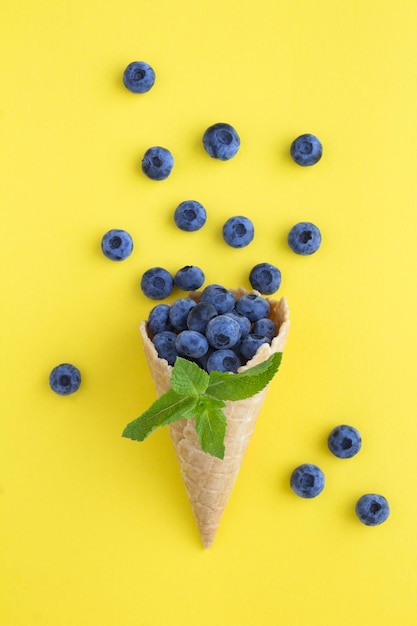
[(202, 361), (265, 327), (244, 323), (307, 480), (65, 379), (223, 361), (304, 238), (306, 149), (221, 298), (223, 332), (190, 215), (250, 344), (164, 343), (200, 315), (157, 283), (179, 312), (117, 244), (191, 344), (344, 441), (253, 307), (157, 163), (189, 278), (221, 141), (372, 509), (238, 231), (139, 77), (158, 319), (265, 278)]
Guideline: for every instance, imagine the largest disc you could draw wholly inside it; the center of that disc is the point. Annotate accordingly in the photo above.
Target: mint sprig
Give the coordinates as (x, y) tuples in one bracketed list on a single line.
[(196, 394)]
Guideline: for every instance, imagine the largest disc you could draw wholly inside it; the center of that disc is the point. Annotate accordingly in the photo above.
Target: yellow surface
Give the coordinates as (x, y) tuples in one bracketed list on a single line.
[(97, 529)]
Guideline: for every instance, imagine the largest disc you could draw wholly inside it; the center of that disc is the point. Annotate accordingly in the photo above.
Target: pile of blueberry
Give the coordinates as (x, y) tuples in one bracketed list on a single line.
[(219, 332), (308, 480)]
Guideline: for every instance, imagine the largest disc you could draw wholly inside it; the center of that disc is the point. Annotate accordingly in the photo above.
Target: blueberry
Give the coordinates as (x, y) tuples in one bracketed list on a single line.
[(189, 278), (306, 149), (179, 312), (344, 441), (164, 343), (304, 238), (221, 141), (372, 509), (265, 327), (157, 283), (158, 319), (190, 215), (265, 278), (250, 344), (117, 244), (223, 361), (307, 480), (139, 77), (253, 307), (238, 231), (157, 163), (200, 315), (191, 344), (65, 379), (221, 298), (223, 332), (244, 323), (202, 361)]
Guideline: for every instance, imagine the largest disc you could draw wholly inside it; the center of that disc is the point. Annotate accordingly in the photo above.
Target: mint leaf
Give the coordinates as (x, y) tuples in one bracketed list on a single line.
[(227, 386), (170, 407), (197, 394), (188, 379), (211, 426)]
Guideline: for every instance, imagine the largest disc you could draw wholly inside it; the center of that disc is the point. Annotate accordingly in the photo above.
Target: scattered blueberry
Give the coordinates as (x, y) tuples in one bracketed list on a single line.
[(265, 327), (179, 312), (306, 149), (139, 77), (190, 215), (265, 278), (164, 343), (223, 332), (200, 315), (250, 344), (223, 361), (117, 244), (157, 163), (344, 441), (221, 141), (307, 480), (221, 298), (304, 238), (253, 307), (189, 278), (191, 344), (372, 509), (238, 231), (157, 283), (65, 379), (158, 319)]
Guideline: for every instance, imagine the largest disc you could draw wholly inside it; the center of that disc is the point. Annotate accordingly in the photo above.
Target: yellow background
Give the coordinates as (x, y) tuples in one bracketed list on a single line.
[(97, 529)]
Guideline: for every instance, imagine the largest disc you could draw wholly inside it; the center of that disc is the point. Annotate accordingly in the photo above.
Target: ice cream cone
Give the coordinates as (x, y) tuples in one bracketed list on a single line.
[(209, 480)]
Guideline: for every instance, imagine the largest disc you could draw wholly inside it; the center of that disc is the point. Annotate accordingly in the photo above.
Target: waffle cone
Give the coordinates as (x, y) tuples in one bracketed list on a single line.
[(208, 480)]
